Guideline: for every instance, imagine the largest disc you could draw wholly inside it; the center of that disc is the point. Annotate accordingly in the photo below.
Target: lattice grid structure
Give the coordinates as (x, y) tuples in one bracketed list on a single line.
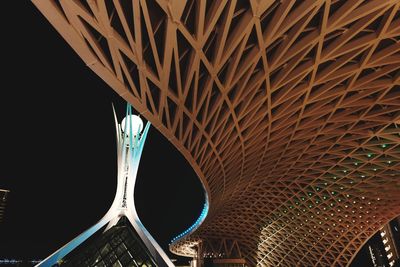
[(288, 111)]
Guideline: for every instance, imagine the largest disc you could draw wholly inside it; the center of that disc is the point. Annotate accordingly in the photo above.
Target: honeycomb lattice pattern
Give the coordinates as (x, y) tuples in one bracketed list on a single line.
[(289, 111)]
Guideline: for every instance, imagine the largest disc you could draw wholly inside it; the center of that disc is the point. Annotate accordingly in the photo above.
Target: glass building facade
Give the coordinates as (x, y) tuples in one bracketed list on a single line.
[(118, 246)]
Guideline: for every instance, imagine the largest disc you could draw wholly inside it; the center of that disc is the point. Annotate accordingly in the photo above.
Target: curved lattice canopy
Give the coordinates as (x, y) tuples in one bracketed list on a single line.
[(289, 111)]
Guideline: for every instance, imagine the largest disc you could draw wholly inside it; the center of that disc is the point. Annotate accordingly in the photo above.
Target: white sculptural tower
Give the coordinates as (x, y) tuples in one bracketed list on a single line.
[(130, 141)]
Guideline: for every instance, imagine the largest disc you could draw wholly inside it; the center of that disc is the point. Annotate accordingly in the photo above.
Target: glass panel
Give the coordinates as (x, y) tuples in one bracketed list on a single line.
[(119, 246)]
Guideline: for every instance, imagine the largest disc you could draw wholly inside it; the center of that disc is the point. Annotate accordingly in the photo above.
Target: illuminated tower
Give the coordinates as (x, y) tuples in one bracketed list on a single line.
[(119, 238)]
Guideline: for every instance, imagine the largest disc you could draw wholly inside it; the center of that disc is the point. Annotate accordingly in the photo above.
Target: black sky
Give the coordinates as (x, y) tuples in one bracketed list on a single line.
[(57, 147)]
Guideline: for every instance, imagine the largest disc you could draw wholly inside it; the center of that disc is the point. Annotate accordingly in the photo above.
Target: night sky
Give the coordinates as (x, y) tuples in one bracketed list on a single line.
[(58, 152), (58, 148)]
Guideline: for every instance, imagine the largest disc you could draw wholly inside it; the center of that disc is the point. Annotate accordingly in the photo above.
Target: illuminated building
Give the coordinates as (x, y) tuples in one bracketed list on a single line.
[(3, 200), (384, 246)]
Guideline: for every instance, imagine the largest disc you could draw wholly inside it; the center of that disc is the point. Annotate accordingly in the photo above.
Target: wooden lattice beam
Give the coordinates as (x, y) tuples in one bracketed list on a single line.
[(288, 111)]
